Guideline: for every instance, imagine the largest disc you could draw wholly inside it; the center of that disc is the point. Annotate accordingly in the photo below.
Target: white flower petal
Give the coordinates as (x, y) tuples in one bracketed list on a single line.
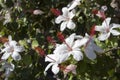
[(65, 11), (63, 25), (115, 32), (74, 4), (99, 28), (79, 43), (55, 68), (19, 48), (60, 49), (96, 48), (113, 25), (69, 68), (70, 39), (50, 58), (12, 43), (16, 56), (78, 37), (48, 66), (103, 37), (59, 19), (106, 22), (10, 38), (71, 14), (5, 56), (6, 44), (90, 53), (71, 24), (77, 55), (63, 57), (9, 66), (12, 67)]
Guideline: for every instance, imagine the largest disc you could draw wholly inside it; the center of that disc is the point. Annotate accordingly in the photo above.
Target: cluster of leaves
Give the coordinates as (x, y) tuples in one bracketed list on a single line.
[(31, 31)]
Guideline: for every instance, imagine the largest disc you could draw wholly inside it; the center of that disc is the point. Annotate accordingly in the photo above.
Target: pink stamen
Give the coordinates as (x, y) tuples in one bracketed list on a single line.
[(107, 29), (61, 37), (51, 58), (69, 48), (42, 53)]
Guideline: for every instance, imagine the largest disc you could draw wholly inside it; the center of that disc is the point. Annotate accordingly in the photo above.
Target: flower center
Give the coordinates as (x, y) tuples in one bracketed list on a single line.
[(107, 30), (69, 48), (11, 49)]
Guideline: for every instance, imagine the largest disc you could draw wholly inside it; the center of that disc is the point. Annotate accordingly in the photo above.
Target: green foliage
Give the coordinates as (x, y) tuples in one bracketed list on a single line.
[(32, 30)]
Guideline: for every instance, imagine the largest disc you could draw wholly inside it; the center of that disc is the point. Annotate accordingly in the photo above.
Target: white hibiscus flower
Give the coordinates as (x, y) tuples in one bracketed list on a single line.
[(106, 29), (70, 47), (66, 19), (8, 67), (55, 60), (91, 48), (11, 49)]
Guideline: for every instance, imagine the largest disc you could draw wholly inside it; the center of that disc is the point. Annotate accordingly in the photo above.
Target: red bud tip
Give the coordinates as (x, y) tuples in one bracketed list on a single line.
[(51, 40), (56, 12), (61, 36), (92, 32), (40, 51), (94, 11)]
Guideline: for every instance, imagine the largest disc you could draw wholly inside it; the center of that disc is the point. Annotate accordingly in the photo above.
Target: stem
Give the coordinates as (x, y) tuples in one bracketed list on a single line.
[(71, 76), (115, 48)]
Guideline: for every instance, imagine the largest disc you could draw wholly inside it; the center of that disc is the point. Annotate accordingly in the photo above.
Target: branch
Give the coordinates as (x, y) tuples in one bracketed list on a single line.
[(114, 48)]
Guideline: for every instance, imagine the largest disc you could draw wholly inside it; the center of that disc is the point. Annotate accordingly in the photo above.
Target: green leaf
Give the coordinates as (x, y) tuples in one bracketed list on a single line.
[(35, 43)]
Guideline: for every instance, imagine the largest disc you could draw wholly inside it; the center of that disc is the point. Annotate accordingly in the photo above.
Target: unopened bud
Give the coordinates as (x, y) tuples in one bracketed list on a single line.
[(61, 36), (92, 32), (37, 12), (51, 40), (56, 12), (40, 51)]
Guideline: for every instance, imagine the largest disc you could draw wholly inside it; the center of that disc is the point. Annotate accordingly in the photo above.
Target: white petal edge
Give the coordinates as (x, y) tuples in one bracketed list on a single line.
[(103, 37), (71, 25), (48, 66), (16, 56), (115, 32), (106, 22), (5, 56), (63, 25), (55, 68), (59, 19), (90, 53), (77, 55)]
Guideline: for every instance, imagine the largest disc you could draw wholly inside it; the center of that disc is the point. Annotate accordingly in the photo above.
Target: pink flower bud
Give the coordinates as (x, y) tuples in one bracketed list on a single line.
[(70, 68), (37, 12)]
